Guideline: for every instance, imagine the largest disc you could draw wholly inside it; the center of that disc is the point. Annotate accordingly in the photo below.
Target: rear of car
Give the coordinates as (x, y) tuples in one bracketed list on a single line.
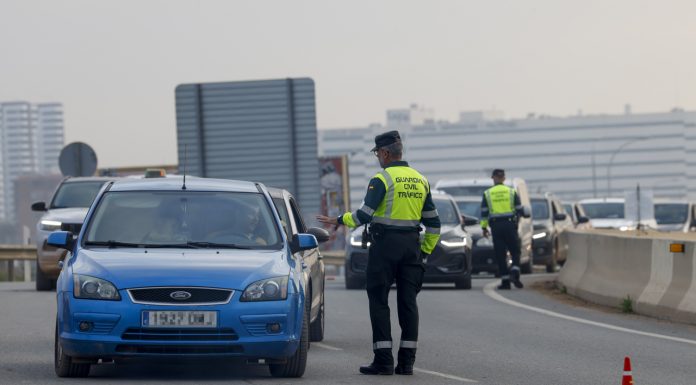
[(607, 213), (167, 270), (450, 261), (66, 211), (674, 216)]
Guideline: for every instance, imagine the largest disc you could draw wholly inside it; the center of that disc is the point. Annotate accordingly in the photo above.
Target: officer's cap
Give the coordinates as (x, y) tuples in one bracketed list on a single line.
[(498, 172), (386, 139)]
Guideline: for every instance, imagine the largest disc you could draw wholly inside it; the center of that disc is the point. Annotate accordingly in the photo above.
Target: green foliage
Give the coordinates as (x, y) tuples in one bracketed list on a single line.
[(627, 304)]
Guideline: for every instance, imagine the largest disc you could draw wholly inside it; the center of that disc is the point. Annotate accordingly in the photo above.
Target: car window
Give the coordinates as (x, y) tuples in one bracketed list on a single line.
[(283, 212), (447, 212), (168, 218), (299, 223), (604, 210), (568, 208), (671, 213), (76, 194), (470, 209), (464, 191), (540, 209)]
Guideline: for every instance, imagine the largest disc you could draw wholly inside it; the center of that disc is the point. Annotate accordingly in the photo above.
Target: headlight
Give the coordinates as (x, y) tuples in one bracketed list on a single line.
[(624, 228), (483, 242), (454, 242), (356, 240), (86, 287), (539, 235), (47, 225), (271, 289)]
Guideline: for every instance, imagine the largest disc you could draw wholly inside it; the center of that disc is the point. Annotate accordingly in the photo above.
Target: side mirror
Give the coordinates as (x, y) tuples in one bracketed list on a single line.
[(302, 242), (320, 234), (470, 221), (38, 206), (560, 217), (583, 219), (526, 211), (61, 240)]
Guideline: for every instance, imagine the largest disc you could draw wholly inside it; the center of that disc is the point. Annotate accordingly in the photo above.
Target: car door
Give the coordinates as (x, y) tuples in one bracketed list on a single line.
[(560, 226)]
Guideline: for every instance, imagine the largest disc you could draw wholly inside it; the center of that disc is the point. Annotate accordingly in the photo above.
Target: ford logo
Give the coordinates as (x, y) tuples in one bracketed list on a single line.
[(180, 295)]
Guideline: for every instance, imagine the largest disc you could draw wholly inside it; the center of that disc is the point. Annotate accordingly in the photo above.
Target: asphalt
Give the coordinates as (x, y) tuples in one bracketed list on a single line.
[(465, 337)]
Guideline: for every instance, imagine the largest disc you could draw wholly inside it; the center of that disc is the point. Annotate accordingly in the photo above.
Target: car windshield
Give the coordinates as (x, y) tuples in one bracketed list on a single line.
[(183, 219), (447, 212), (470, 209), (465, 191), (671, 213), (540, 209), (568, 208), (76, 194), (604, 210)]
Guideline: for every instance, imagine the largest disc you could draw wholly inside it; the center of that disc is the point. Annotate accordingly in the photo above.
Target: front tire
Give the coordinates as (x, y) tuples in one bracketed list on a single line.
[(63, 364), (551, 263), (527, 267), (43, 283), (295, 366), (353, 283), (316, 328), (463, 283)]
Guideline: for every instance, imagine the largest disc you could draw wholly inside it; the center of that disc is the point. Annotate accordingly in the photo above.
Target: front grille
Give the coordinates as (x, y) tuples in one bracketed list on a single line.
[(163, 295), (72, 227), (179, 349), (359, 262), (179, 334)]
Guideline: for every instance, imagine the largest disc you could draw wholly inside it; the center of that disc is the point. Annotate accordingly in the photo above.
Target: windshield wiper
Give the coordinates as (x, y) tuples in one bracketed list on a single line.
[(213, 245), (112, 244)]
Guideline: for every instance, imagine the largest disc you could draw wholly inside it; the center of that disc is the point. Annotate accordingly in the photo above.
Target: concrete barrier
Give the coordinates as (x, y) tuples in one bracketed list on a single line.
[(607, 267)]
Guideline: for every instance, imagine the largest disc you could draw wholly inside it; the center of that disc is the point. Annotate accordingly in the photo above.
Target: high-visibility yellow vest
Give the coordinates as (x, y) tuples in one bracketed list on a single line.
[(501, 200), (406, 190)]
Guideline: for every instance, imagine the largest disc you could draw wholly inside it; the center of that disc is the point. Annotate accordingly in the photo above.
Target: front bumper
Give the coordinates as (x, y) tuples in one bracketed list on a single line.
[(541, 250), (483, 259), (443, 265), (243, 325)]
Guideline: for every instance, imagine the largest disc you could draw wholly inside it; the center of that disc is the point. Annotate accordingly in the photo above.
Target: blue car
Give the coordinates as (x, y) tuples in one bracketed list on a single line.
[(194, 268)]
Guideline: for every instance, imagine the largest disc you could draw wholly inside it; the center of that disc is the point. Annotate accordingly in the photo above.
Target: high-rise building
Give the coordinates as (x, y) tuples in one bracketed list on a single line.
[(575, 157), (31, 137)]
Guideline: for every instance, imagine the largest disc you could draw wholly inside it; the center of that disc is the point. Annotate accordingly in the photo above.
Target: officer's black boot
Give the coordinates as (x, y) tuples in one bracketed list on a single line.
[(515, 275), (406, 359), (382, 364), (504, 285)]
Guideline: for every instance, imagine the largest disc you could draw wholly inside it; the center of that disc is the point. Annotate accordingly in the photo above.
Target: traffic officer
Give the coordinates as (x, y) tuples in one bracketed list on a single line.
[(500, 207), (397, 201)]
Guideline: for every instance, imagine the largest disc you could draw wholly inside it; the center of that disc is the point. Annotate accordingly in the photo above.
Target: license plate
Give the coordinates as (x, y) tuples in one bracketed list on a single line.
[(195, 319)]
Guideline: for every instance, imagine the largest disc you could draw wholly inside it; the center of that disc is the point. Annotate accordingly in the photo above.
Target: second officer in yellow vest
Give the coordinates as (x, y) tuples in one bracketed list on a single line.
[(500, 208), (397, 201)]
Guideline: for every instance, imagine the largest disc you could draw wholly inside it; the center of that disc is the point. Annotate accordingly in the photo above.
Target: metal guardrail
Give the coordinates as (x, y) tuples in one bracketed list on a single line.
[(336, 258), (12, 253)]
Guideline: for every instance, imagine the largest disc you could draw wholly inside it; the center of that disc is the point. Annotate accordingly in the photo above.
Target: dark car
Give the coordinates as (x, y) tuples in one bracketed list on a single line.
[(449, 262), (550, 220), (66, 211)]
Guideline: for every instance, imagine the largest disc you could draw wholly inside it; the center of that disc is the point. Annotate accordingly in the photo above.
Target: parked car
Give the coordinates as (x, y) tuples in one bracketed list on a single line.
[(577, 215), (205, 268), (607, 213), (449, 262), (672, 215), (65, 211), (465, 189), (550, 220), (482, 253)]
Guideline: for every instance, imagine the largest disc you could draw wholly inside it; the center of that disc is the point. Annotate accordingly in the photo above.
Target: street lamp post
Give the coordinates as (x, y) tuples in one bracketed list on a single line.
[(613, 155)]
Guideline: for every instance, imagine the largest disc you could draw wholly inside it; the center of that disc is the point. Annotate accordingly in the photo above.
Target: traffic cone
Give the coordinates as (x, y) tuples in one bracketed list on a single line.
[(627, 374)]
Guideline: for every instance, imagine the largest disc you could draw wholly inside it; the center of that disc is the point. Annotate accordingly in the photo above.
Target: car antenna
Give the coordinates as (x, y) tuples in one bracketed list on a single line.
[(183, 187)]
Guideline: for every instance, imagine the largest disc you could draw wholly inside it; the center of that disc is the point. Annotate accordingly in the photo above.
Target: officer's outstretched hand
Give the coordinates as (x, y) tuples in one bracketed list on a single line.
[(327, 220), (486, 233)]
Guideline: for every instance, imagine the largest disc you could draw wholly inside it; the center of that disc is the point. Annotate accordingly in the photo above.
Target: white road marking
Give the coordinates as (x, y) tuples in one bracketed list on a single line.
[(325, 346), (443, 375), (490, 291)]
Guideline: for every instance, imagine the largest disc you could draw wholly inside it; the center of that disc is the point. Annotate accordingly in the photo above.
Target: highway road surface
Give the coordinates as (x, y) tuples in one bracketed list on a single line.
[(466, 337)]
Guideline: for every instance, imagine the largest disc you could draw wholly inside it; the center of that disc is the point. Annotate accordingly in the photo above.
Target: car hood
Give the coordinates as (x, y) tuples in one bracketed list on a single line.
[(232, 269), (611, 223), (67, 215)]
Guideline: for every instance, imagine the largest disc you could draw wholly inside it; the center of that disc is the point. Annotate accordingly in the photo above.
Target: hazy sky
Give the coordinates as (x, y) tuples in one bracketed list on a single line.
[(114, 64)]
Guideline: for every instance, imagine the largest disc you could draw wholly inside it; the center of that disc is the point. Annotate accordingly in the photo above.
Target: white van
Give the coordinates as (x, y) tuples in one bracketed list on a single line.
[(464, 189)]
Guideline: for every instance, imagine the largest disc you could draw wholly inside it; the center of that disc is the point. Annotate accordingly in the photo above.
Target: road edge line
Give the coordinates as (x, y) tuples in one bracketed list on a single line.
[(489, 290)]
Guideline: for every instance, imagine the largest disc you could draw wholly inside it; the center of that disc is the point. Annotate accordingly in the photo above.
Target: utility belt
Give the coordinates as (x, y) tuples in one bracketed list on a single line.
[(511, 218), (377, 231)]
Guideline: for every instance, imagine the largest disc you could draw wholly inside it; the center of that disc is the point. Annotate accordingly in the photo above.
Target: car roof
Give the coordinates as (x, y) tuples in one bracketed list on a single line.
[(276, 192), (192, 184), (602, 200), (668, 200), (76, 179)]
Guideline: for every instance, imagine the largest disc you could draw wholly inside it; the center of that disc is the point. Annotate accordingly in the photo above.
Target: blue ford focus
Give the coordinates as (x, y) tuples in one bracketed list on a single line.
[(163, 268)]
